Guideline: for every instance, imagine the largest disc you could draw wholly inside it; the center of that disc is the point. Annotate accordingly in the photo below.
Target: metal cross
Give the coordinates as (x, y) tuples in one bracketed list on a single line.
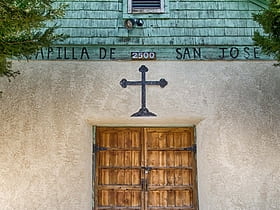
[(143, 111)]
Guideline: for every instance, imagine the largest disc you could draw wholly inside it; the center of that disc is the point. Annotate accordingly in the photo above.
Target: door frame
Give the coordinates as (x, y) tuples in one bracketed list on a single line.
[(195, 178)]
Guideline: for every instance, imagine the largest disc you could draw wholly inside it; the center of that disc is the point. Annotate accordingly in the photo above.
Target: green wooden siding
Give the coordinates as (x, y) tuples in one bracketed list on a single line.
[(187, 22)]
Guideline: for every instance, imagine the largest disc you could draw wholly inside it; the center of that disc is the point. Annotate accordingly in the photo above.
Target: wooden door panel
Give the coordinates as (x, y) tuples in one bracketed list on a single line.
[(118, 168), (169, 159), (119, 138), (119, 158), (170, 177), (163, 138), (145, 168), (119, 198), (170, 168), (170, 198), (119, 177)]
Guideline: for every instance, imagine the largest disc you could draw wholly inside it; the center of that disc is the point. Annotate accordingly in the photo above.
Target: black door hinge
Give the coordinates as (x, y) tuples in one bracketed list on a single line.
[(192, 148), (96, 148)]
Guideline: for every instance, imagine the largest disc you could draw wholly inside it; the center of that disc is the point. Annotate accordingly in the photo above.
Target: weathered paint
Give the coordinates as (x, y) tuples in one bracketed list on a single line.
[(211, 24), (102, 22)]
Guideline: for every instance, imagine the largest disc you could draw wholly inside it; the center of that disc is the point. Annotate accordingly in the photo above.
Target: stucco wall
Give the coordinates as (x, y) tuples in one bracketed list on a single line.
[(46, 115)]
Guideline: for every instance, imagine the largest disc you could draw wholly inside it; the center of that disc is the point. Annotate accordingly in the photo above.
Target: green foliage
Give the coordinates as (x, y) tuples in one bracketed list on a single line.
[(269, 19), (25, 27)]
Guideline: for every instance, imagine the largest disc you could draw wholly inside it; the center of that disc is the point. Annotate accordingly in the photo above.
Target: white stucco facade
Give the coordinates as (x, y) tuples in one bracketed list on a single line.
[(47, 114)]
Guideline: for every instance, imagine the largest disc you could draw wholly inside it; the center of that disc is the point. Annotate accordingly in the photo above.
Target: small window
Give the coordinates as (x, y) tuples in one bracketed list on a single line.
[(145, 6)]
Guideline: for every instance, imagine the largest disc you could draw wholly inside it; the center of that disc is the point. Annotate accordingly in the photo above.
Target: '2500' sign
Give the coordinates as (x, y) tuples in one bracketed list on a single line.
[(143, 56)]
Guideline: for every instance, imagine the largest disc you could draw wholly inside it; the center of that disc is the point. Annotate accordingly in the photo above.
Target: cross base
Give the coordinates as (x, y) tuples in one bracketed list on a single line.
[(143, 112)]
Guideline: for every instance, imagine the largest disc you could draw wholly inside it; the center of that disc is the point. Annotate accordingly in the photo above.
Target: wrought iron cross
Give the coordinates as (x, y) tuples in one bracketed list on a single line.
[(143, 111)]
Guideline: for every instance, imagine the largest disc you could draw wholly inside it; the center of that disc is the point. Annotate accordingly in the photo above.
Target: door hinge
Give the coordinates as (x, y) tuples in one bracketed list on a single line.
[(96, 148), (192, 148)]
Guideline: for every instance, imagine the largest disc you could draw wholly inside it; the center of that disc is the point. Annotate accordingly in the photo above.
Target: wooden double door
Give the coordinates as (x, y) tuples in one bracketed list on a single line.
[(145, 168)]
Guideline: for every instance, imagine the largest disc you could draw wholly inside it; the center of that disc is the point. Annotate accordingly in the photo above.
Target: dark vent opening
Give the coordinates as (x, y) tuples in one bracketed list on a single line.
[(136, 4)]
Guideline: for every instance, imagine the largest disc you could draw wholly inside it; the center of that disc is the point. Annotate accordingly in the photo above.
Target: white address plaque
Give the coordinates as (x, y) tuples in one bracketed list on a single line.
[(143, 56)]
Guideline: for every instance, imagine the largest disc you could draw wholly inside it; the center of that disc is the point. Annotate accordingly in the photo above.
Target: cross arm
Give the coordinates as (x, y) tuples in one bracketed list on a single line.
[(124, 83), (162, 83)]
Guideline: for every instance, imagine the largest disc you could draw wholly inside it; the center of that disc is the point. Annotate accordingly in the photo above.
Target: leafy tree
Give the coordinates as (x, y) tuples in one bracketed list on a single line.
[(25, 27), (269, 19)]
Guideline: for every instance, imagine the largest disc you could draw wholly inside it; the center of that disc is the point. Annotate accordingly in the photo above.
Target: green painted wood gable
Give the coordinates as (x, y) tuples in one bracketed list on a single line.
[(187, 22), (192, 23)]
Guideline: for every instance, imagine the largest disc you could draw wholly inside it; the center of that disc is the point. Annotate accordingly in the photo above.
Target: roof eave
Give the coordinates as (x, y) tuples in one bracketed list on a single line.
[(260, 3)]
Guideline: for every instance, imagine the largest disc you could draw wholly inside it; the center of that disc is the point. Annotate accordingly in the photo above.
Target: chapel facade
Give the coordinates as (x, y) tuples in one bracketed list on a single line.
[(163, 104)]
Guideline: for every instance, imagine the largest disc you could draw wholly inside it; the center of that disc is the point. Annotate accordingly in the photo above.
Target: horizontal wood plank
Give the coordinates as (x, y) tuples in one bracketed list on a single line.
[(170, 188), (119, 187)]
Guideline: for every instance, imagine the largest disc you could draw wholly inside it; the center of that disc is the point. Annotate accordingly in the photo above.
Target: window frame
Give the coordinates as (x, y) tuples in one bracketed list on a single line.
[(130, 10)]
